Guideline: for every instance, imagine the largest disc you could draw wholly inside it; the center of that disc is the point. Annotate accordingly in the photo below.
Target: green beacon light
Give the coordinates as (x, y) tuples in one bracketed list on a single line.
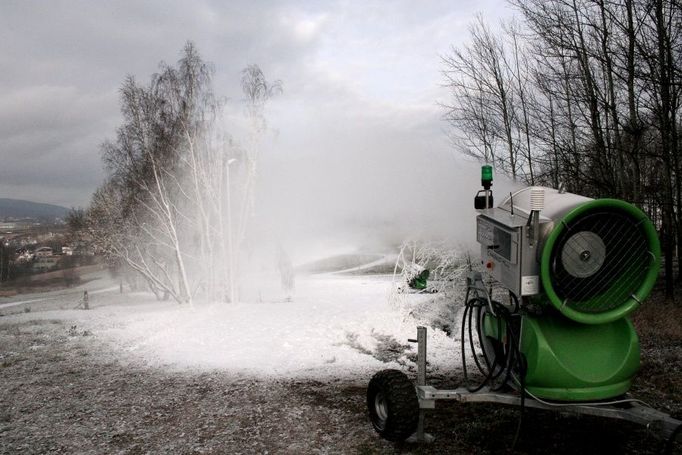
[(486, 176), (484, 198)]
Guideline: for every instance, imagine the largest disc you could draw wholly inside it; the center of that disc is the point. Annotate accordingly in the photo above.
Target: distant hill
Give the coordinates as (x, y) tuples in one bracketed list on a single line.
[(16, 208)]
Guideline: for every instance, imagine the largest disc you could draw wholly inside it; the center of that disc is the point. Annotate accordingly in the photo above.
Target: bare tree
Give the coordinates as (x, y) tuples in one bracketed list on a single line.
[(147, 165), (180, 190), (592, 94), (257, 91), (481, 85)]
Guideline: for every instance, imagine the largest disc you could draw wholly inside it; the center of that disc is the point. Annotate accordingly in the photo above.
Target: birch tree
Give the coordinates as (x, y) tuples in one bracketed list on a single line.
[(179, 194), (147, 195)]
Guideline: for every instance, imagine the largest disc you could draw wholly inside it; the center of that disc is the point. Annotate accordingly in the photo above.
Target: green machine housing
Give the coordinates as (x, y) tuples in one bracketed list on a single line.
[(586, 264)]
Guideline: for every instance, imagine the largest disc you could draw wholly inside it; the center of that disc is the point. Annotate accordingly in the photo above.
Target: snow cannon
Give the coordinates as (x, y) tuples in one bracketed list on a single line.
[(546, 315), (575, 268)]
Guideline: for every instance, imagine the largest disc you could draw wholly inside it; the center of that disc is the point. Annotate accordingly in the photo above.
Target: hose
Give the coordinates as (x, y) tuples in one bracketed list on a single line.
[(512, 363), (495, 368)]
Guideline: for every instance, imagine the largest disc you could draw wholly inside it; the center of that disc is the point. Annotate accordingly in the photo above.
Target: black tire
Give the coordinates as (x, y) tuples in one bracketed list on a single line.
[(393, 405)]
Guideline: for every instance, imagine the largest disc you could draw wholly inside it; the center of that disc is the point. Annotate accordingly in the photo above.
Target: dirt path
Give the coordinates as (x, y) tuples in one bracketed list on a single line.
[(62, 391)]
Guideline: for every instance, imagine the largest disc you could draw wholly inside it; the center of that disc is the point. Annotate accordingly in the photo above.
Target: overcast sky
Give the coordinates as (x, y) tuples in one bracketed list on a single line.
[(355, 73)]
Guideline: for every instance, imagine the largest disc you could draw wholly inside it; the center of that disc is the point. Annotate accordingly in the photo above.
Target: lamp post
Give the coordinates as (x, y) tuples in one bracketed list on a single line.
[(230, 245)]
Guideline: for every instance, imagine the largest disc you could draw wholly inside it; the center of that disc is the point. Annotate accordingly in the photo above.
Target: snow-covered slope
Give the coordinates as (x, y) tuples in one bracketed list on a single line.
[(335, 326)]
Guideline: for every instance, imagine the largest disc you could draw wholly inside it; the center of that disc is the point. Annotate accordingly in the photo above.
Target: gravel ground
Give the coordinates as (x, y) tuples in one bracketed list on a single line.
[(63, 391)]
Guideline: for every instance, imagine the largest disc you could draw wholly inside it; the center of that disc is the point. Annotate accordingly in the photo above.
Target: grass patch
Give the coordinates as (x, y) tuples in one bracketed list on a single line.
[(657, 319)]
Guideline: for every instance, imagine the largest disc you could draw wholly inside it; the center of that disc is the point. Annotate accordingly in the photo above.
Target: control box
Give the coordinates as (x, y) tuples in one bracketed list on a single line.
[(509, 249)]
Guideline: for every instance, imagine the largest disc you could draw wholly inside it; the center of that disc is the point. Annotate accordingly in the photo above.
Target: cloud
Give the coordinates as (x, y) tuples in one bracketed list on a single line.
[(361, 82)]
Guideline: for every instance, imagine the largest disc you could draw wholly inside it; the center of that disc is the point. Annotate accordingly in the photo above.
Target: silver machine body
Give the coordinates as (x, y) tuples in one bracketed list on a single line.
[(512, 235)]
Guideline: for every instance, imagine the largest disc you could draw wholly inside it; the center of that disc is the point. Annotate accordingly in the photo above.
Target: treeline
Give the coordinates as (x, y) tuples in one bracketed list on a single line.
[(178, 196), (580, 93)]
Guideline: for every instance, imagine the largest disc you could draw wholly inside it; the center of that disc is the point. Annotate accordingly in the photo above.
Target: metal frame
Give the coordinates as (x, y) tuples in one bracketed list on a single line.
[(633, 412)]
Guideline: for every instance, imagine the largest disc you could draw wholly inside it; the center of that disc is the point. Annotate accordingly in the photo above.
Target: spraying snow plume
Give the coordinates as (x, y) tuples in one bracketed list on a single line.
[(180, 192), (196, 212)]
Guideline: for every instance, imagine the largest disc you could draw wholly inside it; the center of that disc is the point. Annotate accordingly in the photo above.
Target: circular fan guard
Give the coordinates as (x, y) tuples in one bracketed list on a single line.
[(583, 254), (600, 261)]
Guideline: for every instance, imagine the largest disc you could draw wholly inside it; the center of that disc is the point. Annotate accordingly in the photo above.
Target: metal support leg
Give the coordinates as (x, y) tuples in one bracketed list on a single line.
[(421, 376), (421, 381), (421, 355)]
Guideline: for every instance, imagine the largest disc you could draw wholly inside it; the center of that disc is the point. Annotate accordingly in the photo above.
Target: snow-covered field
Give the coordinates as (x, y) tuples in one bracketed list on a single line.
[(133, 375), (335, 326)]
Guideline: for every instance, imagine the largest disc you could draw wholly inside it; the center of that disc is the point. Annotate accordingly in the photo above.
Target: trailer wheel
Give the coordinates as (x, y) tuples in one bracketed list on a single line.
[(393, 405)]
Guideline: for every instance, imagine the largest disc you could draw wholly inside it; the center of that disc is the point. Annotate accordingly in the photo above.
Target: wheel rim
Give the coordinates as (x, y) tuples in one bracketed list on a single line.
[(381, 410)]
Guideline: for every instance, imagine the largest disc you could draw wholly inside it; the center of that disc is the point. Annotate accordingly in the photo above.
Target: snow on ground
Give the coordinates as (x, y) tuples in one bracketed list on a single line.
[(96, 285), (335, 326)]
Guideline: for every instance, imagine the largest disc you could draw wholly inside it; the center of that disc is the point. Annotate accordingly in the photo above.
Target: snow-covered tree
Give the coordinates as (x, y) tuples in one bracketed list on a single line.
[(179, 192)]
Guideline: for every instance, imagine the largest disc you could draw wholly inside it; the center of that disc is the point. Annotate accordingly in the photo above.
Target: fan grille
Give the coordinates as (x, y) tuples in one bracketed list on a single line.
[(600, 260)]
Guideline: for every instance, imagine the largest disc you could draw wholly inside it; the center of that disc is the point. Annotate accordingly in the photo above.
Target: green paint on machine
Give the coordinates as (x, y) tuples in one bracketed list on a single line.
[(569, 361), (599, 261)]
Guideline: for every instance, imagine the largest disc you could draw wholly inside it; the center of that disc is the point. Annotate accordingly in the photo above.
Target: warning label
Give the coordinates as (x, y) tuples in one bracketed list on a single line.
[(530, 285)]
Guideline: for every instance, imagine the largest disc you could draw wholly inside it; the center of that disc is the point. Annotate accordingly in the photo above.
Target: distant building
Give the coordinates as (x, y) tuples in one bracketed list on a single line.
[(67, 250), (45, 263), (10, 226), (43, 251)]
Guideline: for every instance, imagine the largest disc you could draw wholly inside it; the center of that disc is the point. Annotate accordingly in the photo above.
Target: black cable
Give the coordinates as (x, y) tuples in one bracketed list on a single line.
[(523, 365), (510, 357), (489, 363), (513, 297), (467, 308), (494, 369), (513, 361), (491, 375), (466, 317)]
